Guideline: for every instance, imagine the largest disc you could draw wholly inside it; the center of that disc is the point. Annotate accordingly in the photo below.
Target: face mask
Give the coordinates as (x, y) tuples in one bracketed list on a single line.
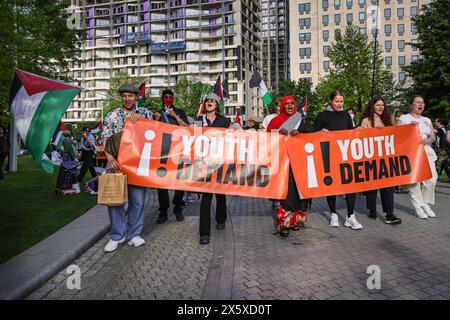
[(168, 101)]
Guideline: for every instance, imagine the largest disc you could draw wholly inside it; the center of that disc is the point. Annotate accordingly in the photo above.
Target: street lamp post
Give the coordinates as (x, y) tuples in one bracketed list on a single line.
[(374, 52)]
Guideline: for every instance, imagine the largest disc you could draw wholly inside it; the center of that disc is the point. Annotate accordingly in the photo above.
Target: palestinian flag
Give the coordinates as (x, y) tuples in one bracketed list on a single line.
[(58, 135), (98, 128), (257, 81), (221, 90), (37, 106), (141, 98), (305, 105), (237, 119)]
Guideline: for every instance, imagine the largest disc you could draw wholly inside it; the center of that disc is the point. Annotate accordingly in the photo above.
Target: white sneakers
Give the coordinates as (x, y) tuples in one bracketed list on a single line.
[(352, 223), (113, 245), (420, 213), (334, 220), (136, 241), (430, 213)]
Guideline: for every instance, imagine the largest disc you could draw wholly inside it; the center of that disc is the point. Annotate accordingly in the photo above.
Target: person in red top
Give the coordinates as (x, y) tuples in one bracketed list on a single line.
[(293, 211)]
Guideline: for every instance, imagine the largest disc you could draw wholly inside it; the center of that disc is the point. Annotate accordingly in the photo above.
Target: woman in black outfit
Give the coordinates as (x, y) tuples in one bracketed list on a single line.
[(212, 118), (334, 118)]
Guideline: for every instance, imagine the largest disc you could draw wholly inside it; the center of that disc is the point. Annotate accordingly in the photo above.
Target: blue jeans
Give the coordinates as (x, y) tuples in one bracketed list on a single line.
[(135, 218)]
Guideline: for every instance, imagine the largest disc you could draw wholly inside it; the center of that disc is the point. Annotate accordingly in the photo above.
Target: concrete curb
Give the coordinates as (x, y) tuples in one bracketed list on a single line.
[(24, 273)]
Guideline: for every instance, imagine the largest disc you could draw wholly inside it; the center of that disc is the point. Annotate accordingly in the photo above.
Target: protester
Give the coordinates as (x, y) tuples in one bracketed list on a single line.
[(69, 151), (396, 117), (100, 155), (175, 116), (442, 163), (422, 194), (4, 150), (251, 124), (212, 118), (87, 154), (128, 228), (377, 115), (331, 119), (293, 211)]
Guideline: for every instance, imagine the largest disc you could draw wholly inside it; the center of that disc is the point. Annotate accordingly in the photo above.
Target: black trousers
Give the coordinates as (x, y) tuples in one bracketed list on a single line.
[(205, 212), (293, 201), (387, 200), (350, 199), (163, 198), (88, 164)]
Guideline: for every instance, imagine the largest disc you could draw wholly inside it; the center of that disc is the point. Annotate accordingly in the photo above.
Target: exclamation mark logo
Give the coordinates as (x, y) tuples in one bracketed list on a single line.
[(144, 163), (165, 150), (325, 147), (312, 177)]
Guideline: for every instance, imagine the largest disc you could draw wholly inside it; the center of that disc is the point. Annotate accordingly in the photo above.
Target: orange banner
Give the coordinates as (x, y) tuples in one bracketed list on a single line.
[(213, 160), (349, 161)]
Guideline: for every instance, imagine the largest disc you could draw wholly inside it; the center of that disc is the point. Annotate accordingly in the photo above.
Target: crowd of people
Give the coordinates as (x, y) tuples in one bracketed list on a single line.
[(292, 212)]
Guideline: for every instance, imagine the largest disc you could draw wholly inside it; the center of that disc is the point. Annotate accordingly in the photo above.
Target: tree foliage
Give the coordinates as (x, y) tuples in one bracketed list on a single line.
[(299, 90), (34, 38), (188, 93), (351, 57), (431, 72)]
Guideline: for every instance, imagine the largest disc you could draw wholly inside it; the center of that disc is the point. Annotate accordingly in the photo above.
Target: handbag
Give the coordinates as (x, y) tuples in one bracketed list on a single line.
[(113, 144), (112, 189)]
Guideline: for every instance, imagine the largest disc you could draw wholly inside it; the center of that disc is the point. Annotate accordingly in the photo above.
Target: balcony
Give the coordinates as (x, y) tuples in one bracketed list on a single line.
[(164, 47), (137, 37)]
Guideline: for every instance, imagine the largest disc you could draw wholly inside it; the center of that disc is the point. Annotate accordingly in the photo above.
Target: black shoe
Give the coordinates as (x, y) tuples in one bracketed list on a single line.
[(162, 218), (275, 205), (284, 232), (178, 214), (204, 240), (392, 219), (220, 226), (373, 214)]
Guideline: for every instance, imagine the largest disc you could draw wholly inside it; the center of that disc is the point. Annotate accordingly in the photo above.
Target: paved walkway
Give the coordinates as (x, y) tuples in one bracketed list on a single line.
[(247, 261)]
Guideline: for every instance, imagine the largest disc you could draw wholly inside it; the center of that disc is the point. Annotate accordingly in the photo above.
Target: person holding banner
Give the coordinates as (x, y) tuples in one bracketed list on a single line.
[(331, 119), (422, 194), (293, 211), (175, 116), (377, 115), (130, 227), (212, 118)]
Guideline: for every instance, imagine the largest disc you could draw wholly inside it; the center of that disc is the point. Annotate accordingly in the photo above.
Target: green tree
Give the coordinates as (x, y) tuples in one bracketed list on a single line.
[(431, 72), (188, 93), (351, 57), (34, 38)]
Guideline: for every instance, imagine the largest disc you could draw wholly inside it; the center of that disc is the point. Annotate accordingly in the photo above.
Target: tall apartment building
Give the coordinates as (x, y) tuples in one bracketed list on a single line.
[(314, 24), (162, 41), (275, 37)]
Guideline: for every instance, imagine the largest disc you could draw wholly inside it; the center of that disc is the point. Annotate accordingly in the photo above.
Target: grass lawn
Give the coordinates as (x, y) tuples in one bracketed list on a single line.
[(29, 209)]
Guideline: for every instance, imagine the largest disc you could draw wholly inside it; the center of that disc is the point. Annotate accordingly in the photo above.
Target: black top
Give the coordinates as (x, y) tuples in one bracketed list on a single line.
[(168, 119), (441, 135), (219, 122), (305, 126), (333, 120)]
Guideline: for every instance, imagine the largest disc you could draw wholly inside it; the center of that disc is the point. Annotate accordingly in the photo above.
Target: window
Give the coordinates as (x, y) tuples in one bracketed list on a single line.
[(400, 13), (414, 58), (325, 20), (413, 28), (305, 37), (362, 30), (388, 45), (362, 17), (349, 3), (401, 60), (326, 49), (337, 19), (401, 76), (388, 61), (305, 67), (401, 45), (337, 4), (387, 29), (362, 3), (305, 53), (349, 18), (304, 8), (401, 29), (326, 66), (304, 23), (413, 11), (326, 35), (414, 44), (387, 14), (325, 5)]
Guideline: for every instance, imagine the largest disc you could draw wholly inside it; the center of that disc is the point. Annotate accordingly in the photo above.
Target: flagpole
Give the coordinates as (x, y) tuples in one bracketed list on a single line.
[(14, 133)]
